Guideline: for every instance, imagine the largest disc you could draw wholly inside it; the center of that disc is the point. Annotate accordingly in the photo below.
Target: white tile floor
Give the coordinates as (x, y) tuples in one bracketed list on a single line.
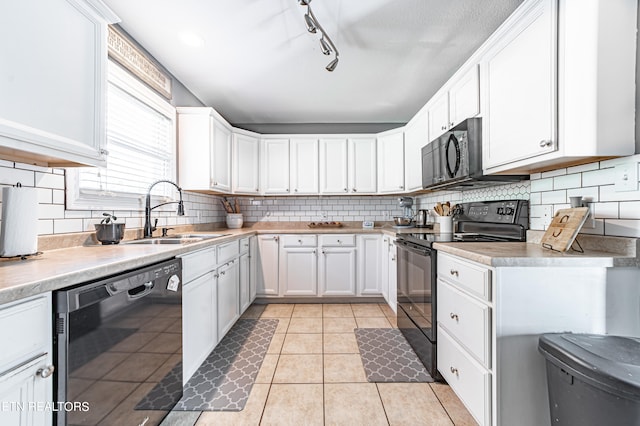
[(313, 375)]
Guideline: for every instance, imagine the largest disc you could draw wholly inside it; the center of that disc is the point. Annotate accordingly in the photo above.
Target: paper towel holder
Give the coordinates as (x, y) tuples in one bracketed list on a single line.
[(20, 256)]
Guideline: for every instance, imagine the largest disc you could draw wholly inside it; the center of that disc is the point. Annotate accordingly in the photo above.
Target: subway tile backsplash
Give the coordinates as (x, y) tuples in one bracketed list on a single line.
[(617, 213)]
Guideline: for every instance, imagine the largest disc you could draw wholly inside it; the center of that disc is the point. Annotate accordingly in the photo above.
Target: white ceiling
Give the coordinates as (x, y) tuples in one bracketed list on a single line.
[(259, 64)]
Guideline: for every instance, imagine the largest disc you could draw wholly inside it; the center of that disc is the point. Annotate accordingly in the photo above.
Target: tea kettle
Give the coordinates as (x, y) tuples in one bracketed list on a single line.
[(422, 219)]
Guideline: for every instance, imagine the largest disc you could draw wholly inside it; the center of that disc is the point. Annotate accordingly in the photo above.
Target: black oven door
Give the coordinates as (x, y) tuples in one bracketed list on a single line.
[(417, 301), (455, 155)]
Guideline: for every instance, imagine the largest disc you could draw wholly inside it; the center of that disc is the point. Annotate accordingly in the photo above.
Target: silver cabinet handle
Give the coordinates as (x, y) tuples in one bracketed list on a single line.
[(401, 187), (346, 190), (339, 242), (216, 276), (314, 252), (443, 128), (545, 143), (45, 372), (393, 258), (257, 189), (276, 238), (453, 316), (324, 252), (454, 370), (299, 241), (222, 272), (287, 189), (454, 272), (451, 124), (295, 190)]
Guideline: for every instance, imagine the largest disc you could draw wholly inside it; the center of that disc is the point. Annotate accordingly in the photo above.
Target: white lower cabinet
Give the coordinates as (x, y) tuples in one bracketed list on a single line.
[(25, 360), (369, 270), (337, 271), (298, 271), (393, 275), (199, 322), (470, 381), (228, 297), (267, 265)]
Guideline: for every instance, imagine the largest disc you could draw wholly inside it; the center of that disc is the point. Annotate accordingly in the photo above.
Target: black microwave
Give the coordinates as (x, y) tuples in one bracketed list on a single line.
[(454, 160)]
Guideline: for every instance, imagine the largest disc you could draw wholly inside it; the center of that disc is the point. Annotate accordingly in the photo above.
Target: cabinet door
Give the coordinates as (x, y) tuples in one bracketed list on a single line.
[(199, 322), (53, 81), (333, 166), (439, 115), (384, 268), (24, 386), (464, 97), (244, 279), (520, 115), (369, 282), (416, 135), (298, 271), (221, 161), (228, 298), (337, 271), (253, 267), (194, 146), (267, 265), (304, 166), (276, 166), (246, 164), (391, 162), (362, 165), (393, 275)]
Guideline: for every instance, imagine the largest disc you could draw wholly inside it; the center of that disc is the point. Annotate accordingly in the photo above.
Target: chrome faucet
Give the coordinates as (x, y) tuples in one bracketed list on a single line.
[(148, 229)]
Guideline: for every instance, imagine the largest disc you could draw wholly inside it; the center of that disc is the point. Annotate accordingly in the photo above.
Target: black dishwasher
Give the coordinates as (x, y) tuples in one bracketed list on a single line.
[(118, 347)]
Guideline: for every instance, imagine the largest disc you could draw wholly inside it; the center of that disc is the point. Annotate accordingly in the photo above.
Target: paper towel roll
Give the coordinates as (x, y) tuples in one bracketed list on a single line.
[(19, 230)]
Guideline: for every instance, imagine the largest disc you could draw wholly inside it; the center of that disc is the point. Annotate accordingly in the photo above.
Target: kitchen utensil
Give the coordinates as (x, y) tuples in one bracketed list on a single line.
[(237, 206), (402, 221), (446, 209), (109, 233), (438, 209)]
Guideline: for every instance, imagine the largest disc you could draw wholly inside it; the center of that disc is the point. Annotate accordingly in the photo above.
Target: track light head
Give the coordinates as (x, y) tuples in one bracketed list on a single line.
[(332, 65), (311, 24), (326, 49)]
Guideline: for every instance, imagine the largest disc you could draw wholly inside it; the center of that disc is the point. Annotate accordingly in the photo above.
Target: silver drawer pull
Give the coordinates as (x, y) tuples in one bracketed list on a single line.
[(300, 241), (546, 142), (45, 372), (454, 371), (454, 272), (453, 316)]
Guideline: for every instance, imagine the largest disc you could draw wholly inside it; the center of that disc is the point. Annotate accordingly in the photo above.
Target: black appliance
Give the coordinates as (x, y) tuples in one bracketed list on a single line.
[(116, 342), (496, 221), (454, 160)]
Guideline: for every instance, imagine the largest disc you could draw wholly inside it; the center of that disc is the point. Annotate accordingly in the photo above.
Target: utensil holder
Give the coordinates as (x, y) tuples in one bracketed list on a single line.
[(234, 220), (446, 224)]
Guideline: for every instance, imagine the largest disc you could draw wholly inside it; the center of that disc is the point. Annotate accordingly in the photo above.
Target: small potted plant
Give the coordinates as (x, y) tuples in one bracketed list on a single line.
[(109, 232)]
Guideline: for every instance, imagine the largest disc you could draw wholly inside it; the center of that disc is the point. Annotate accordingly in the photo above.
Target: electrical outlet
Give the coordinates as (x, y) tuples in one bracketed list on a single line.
[(626, 176), (590, 223)]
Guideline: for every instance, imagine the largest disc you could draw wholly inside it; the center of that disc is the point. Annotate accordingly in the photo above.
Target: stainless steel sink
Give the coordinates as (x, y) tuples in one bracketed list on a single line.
[(164, 240), (202, 236), (176, 239)]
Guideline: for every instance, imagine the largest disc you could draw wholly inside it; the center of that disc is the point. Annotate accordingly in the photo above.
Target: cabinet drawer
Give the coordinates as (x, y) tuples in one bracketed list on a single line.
[(227, 251), (26, 330), (468, 276), (468, 379), (467, 319), (244, 245), (338, 240), (299, 240), (197, 264)]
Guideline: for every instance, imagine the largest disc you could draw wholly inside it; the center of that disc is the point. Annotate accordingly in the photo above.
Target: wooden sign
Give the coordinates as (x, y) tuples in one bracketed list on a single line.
[(564, 228)]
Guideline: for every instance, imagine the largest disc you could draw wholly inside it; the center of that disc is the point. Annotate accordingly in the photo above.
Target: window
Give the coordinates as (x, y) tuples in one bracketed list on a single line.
[(141, 146)]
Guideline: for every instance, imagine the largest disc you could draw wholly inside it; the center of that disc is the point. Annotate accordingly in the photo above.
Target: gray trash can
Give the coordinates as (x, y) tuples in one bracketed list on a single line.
[(594, 380)]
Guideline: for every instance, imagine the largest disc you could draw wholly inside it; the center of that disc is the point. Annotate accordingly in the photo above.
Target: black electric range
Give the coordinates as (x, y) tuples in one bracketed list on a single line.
[(487, 221)]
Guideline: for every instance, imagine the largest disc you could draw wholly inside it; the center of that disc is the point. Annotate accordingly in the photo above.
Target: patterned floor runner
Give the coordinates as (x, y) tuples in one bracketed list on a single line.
[(388, 357), (224, 380)]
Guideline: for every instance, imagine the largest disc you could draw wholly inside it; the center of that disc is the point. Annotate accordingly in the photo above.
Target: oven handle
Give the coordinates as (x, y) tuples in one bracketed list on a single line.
[(422, 251)]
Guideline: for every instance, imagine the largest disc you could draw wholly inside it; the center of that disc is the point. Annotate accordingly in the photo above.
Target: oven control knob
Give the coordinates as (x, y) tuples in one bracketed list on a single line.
[(510, 211)]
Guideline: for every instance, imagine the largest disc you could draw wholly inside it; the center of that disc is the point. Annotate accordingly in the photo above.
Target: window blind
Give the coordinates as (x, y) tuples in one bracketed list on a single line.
[(140, 142)]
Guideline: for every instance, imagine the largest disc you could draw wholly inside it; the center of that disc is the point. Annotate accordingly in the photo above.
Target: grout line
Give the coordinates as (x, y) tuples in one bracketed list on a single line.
[(441, 404), (382, 403)]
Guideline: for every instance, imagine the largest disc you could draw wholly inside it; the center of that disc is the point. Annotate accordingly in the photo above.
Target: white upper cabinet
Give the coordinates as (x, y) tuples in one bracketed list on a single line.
[(391, 161), (246, 164), (275, 176), (334, 178), (204, 147), (520, 108), (304, 174), (457, 101), (558, 81), (221, 156), (348, 165), (362, 165), (416, 135), (53, 81)]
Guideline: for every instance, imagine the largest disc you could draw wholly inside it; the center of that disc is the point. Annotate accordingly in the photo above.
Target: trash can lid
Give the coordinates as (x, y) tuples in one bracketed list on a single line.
[(605, 361)]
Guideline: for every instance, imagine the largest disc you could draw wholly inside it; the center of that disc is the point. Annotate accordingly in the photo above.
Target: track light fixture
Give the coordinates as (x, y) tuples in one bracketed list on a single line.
[(326, 44)]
